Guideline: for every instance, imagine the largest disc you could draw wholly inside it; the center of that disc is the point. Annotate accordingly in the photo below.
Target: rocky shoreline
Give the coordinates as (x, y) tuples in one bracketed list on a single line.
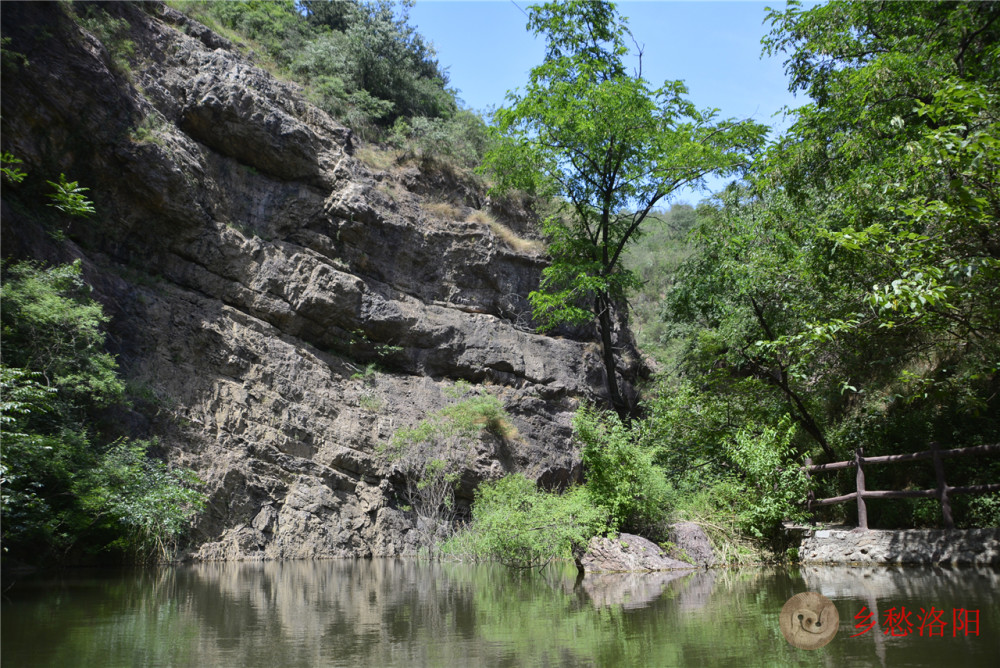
[(979, 547), (689, 548)]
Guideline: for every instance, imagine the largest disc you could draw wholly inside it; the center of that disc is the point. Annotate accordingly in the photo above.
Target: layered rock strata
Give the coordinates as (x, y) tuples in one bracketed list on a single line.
[(255, 270)]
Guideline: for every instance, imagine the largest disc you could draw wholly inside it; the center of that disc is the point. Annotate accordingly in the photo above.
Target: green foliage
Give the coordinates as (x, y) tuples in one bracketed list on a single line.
[(367, 374), (360, 61), (148, 130), (518, 525), (69, 198), (336, 16), (773, 486), (22, 496), (655, 258), (620, 473), (432, 455), (51, 326), (910, 206), (734, 296), (853, 284), (149, 503), (112, 32), (11, 174), (687, 424), (64, 489), (11, 61), (275, 25), (461, 139), (611, 147), (463, 419), (693, 457), (392, 62), (985, 511), (910, 209), (22, 395), (711, 504), (365, 65)]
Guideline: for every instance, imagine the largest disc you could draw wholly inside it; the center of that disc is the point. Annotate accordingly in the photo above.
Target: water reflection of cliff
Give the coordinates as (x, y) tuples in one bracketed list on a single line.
[(322, 610), (374, 610), (414, 613)]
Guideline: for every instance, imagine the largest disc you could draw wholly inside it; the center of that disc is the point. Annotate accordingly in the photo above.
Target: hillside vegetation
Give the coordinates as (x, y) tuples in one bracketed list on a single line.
[(845, 295), (362, 63)]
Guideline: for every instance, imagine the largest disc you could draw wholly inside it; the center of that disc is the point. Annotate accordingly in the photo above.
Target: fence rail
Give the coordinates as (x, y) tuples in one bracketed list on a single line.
[(942, 492)]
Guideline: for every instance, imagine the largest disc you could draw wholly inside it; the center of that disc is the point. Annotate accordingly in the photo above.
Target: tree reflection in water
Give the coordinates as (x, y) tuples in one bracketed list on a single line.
[(416, 613)]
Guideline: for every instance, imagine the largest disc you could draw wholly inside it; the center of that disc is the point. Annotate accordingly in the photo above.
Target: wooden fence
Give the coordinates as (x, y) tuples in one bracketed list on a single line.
[(943, 492)]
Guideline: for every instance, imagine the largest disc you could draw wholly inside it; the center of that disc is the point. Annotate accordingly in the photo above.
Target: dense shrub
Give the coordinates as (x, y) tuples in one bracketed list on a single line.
[(147, 503), (519, 525), (275, 25), (51, 326), (432, 455), (360, 61), (461, 139), (620, 473), (772, 486)]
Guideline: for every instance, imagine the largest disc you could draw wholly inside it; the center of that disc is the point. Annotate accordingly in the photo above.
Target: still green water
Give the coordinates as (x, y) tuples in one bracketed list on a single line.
[(415, 613)]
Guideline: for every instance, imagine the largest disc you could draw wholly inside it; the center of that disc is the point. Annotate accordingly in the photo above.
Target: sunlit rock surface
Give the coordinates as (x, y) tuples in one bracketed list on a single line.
[(253, 268), (627, 553), (980, 547)]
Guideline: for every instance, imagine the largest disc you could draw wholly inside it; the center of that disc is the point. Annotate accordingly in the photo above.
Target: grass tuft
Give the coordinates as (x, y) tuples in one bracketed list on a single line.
[(443, 210), (515, 242), (382, 160)]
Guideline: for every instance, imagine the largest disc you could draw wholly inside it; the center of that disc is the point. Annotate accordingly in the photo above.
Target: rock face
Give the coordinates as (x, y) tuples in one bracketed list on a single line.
[(626, 554), (253, 269), (980, 547), (691, 544)]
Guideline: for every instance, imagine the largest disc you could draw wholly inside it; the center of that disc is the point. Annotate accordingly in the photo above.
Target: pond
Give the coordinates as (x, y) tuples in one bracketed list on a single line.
[(418, 613)]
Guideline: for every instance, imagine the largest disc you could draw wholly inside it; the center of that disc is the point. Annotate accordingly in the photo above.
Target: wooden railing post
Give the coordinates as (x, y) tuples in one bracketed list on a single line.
[(942, 487), (860, 479)]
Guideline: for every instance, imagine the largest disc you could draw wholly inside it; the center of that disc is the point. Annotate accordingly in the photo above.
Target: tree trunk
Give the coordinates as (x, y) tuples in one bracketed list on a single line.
[(780, 380), (605, 325)]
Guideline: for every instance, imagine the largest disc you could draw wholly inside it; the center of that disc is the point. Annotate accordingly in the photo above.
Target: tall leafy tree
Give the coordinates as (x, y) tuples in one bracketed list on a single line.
[(594, 134), (895, 162), (856, 279), (747, 285)]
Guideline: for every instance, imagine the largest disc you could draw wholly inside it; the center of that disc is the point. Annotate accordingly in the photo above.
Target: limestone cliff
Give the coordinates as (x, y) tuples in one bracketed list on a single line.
[(252, 266)]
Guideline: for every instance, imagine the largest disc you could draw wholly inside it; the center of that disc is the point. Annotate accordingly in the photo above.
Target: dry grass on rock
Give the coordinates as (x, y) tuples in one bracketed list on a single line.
[(520, 244)]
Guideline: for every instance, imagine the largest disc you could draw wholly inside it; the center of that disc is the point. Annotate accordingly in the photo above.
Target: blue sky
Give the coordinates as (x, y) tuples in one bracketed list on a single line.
[(714, 47)]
